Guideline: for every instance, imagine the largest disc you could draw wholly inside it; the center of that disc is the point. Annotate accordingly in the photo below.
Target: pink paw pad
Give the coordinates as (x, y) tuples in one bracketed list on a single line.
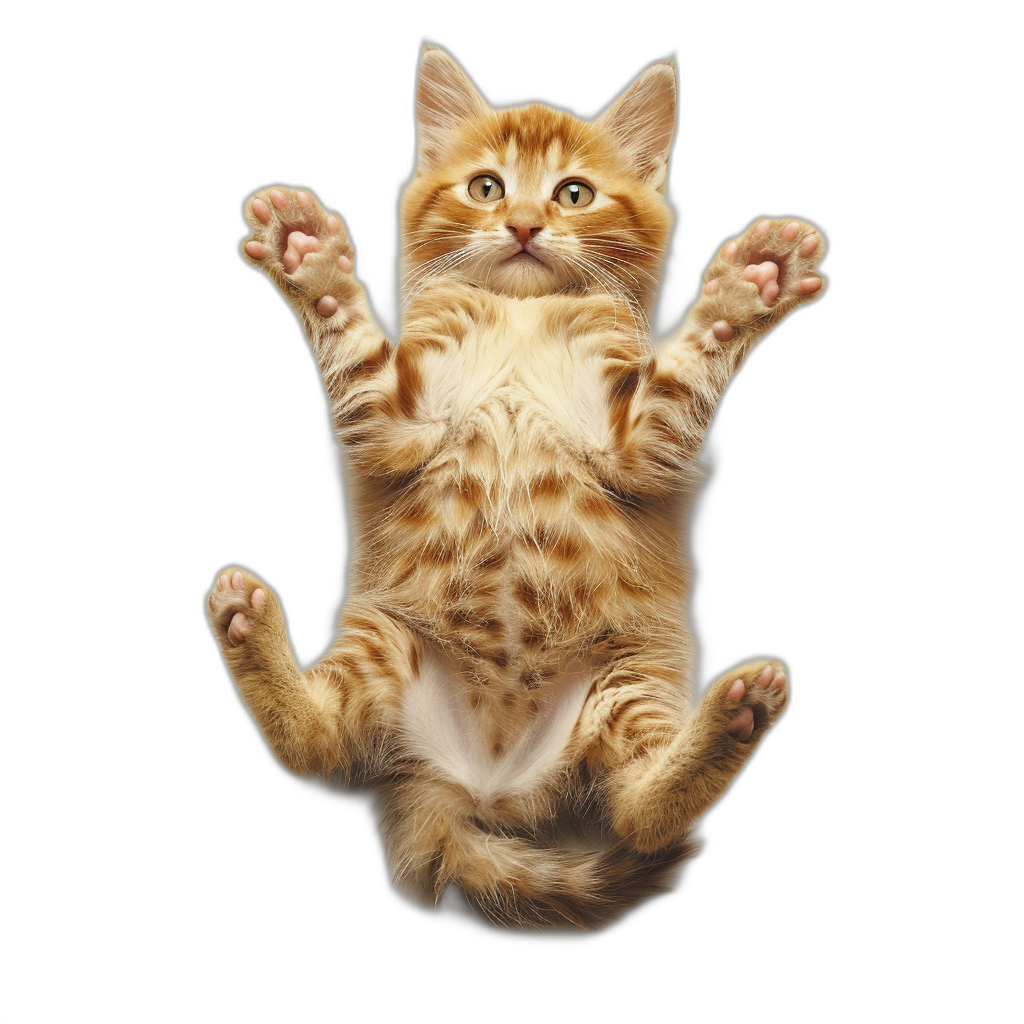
[(771, 679), (765, 275), (299, 245), (779, 250), (790, 231), (771, 682), (289, 226), (722, 330), (230, 591), (741, 725)]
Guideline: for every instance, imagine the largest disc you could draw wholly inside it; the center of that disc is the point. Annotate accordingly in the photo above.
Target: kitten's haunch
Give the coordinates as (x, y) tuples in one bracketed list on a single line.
[(514, 651)]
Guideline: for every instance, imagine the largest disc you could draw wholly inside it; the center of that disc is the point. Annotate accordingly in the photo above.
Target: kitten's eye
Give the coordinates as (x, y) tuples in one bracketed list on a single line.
[(485, 188), (575, 193)]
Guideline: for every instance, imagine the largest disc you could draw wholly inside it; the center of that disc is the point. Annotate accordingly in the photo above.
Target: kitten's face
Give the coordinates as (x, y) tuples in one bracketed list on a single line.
[(530, 201)]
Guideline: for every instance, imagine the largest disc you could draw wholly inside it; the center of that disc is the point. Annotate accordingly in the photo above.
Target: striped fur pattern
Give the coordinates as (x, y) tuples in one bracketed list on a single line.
[(514, 650)]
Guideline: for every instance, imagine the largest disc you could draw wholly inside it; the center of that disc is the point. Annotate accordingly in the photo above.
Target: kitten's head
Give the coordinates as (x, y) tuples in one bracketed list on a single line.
[(533, 201)]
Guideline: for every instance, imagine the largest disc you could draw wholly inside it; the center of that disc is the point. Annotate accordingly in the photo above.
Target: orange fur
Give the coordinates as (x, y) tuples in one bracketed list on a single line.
[(514, 648)]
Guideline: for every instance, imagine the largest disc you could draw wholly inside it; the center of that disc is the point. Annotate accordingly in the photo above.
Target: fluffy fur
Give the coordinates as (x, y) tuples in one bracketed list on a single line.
[(513, 653)]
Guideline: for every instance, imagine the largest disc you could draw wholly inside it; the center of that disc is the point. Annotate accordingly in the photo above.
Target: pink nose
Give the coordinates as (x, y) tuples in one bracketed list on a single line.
[(524, 234)]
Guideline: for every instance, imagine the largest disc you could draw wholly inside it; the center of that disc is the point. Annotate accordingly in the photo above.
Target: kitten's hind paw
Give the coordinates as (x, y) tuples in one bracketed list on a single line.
[(302, 247), (750, 699), (686, 779), (237, 604)]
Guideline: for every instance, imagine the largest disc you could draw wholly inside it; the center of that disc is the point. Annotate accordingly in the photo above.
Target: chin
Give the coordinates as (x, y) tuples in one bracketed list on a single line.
[(522, 279)]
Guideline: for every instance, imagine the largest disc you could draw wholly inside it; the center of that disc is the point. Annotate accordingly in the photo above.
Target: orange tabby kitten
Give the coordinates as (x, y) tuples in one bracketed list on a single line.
[(514, 649)]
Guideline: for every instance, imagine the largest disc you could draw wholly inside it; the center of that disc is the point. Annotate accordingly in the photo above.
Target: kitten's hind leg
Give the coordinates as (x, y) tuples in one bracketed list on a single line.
[(298, 722), (335, 714), (656, 794)]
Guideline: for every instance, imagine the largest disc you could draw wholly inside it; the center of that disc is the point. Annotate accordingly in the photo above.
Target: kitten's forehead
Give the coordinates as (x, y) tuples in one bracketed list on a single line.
[(537, 137), (527, 170)]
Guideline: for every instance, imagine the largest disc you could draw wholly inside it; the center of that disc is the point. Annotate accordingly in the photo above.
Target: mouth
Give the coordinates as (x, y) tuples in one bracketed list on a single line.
[(522, 258)]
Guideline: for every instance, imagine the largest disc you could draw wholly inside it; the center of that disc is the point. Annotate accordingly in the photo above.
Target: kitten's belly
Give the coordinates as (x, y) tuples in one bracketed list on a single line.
[(504, 551), (519, 564), (493, 747), (520, 591), (506, 545)]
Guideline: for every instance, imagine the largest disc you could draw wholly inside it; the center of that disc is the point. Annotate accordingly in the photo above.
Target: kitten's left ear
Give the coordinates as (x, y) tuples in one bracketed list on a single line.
[(643, 120), (445, 98)]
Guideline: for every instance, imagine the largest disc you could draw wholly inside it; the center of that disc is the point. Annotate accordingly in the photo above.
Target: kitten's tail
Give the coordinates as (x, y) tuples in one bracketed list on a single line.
[(432, 840)]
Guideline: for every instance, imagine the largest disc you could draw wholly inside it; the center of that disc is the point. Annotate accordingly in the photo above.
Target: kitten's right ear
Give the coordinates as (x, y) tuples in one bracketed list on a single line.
[(445, 98)]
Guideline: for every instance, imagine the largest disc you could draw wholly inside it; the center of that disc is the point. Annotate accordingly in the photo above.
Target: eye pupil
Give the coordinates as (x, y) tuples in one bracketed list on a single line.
[(575, 193), (485, 189)]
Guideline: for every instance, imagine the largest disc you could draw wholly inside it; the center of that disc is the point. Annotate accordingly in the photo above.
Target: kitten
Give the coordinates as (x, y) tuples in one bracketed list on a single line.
[(514, 649)]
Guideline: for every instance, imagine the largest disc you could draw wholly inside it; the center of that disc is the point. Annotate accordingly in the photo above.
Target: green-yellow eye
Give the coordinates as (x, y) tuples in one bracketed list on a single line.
[(575, 194), (486, 188)]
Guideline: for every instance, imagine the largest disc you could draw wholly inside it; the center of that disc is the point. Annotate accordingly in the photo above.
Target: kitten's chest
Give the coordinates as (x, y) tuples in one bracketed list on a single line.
[(523, 375)]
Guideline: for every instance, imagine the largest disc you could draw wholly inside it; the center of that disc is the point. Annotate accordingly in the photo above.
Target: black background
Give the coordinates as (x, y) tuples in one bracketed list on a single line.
[(767, 127)]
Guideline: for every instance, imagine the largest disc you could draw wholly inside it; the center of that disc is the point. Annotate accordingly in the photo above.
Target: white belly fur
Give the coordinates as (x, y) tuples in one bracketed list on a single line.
[(523, 362), (441, 728)]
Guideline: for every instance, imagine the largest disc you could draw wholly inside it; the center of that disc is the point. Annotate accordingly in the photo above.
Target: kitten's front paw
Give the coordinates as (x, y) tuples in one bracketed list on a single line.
[(302, 247), (763, 274)]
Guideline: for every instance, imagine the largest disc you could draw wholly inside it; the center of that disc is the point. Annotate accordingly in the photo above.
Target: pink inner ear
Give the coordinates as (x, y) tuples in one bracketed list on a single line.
[(643, 120), (445, 99)]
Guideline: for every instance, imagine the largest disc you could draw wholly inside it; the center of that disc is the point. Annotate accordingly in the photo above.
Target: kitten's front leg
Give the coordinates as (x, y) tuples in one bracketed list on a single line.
[(306, 252), (753, 282)]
